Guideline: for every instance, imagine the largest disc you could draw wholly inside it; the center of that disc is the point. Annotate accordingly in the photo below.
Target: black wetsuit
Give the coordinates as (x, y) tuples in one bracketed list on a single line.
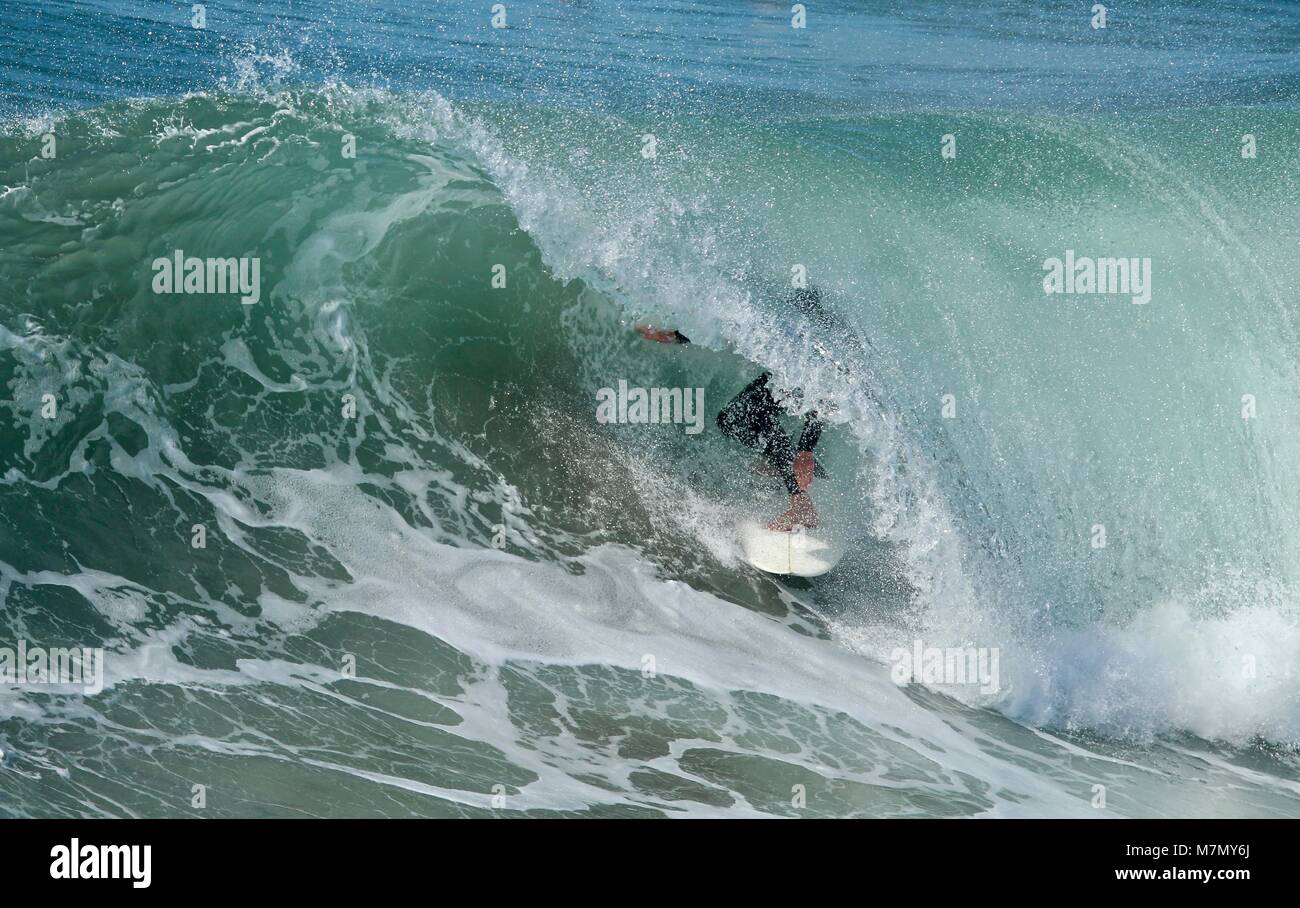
[(753, 418)]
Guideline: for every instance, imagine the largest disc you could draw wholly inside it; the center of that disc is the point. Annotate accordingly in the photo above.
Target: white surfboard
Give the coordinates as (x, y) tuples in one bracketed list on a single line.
[(802, 552)]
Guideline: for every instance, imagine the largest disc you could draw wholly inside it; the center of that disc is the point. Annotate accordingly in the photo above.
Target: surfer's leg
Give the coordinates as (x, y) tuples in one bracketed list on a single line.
[(780, 453), (798, 478), (812, 431), (786, 456)]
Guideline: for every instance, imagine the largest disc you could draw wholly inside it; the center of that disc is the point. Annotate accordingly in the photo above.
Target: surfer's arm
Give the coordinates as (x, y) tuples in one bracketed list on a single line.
[(662, 335)]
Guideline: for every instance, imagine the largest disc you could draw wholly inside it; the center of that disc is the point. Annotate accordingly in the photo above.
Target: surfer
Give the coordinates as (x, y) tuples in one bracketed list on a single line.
[(753, 418)]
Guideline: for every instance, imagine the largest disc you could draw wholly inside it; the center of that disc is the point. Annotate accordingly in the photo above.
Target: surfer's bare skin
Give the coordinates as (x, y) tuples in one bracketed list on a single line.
[(750, 418), (800, 513), (662, 335)]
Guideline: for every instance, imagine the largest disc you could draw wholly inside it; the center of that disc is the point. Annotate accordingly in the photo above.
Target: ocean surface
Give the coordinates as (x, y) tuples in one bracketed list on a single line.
[(362, 548)]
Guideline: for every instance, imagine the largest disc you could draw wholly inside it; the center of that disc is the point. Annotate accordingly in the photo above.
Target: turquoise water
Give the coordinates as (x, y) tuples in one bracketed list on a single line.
[(470, 598)]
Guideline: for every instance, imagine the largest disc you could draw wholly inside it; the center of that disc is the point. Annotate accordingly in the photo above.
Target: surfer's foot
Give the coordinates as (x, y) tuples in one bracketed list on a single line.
[(800, 514)]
